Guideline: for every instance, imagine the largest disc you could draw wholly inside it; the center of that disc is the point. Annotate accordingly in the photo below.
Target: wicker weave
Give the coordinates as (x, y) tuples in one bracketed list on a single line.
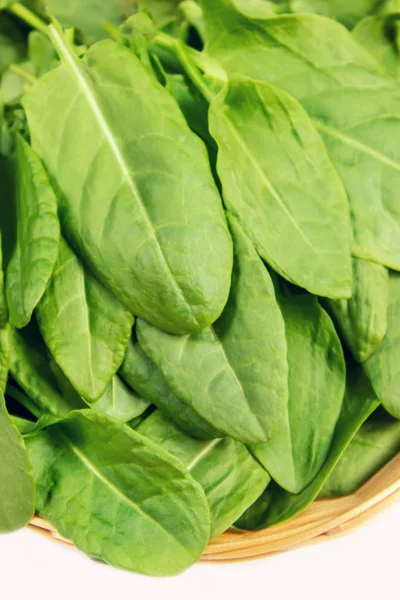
[(322, 520)]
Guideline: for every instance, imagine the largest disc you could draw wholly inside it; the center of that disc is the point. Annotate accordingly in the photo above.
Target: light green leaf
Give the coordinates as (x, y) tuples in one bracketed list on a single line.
[(383, 368), (381, 36), (41, 53), (85, 328), (118, 496), (353, 104), (277, 505), (234, 373), (38, 233), (282, 186), (317, 377), (362, 320), (30, 368), (17, 490), (142, 375), (232, 480), (372, 447), (141, 206)]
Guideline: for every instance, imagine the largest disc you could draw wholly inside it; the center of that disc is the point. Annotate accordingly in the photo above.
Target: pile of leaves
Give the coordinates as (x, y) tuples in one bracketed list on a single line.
[(200, 289)]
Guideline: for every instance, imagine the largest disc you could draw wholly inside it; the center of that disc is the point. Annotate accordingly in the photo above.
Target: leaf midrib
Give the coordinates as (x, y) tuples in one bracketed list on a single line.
[(97, 474)]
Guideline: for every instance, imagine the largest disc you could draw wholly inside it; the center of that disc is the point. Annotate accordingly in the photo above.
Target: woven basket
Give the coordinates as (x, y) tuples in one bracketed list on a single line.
[(320, 521)]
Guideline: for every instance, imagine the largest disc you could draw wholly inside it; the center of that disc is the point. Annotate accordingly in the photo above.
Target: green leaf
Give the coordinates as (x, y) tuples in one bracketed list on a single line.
[(142, 375), (17, 490), (85, 328), (38, 233), (372, 447), (317, 377), (232, 480), (91, 16), (41, 53), (155, 235), (12, 48), (277, 505), (352, 102), (118, 400), (161, 11), (282, 186), (118, 496), (4, 356), (381, 36), (234, 373), (362, 320), (30, 368), (348, 13), (383, 368), (3, 302)]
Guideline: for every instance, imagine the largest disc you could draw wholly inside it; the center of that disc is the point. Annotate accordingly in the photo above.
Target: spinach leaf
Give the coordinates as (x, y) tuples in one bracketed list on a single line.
[(277, 505), (12, 47), (117, 495), (317, 376), (282, 186), (41, 53), (3, 302), (91, 16), (353, 104), (381, 36), (17, 490), (38, 232), (142, 375), (348, 13), (118, 400), (30, 368), (232, 480), (4, 357), (383, 368), (85, 328), (234, 373), (362, 320), (141, 206), (373, 446)]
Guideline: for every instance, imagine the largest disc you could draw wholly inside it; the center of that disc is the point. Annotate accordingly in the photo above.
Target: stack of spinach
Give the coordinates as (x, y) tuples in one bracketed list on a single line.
[(200, 249)]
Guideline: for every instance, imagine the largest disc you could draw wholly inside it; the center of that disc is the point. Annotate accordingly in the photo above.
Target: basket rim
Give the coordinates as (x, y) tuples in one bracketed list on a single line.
[(322, 520)]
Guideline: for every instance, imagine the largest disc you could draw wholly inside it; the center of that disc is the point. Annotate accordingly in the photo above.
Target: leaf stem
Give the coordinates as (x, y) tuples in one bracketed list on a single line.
[(28, 16), (18, 70), (193, 63)]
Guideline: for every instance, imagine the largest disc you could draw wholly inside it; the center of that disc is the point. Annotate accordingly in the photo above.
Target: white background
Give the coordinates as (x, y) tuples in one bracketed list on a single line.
[(363, 565)]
